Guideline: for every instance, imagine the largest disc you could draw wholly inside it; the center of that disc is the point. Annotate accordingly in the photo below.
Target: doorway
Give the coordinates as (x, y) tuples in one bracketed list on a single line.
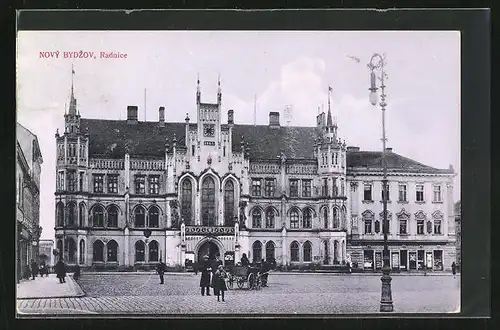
[(209, 249)]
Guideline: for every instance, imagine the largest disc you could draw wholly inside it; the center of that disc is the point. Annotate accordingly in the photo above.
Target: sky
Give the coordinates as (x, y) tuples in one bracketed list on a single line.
[(265, 69)]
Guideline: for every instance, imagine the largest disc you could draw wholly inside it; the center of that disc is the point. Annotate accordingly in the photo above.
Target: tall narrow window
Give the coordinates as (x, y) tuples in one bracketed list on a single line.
[(187, 201), (270, 218), (112, 216), (256, 218), (82, 252), (192, 150), (257, 251), (336, 222), (60, 180), (368, 217), (98, 183), (153, 217), (154, 185), (294, 251), (420, 193), (294, 219), (60, 214), (71, 214), (388, 192), (224, 151), (325, 218), (81, 215), (140, 217), (71, 180), (294, 188), (208, 202), (81, 182), (367, 192), (270, 186), (307, 218), (437, 194), (140, 184), (229, 203), (402, 192), (306, 188), (420, 217), (403, 219), (307, 251), (343, 217), (112, 183), (324, 188), (98, 216)]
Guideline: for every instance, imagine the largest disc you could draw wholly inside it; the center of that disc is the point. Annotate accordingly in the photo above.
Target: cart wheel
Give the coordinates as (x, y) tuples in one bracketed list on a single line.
[(251, 281), (230, 282), (240, 281)]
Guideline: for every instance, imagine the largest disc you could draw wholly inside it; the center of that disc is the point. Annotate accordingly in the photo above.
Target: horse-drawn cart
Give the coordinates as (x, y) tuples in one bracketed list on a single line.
[(245, 277)]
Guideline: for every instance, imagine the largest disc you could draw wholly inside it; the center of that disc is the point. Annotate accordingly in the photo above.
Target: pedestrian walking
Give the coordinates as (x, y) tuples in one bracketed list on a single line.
[(76, 274), (60, 269), (205, 277), (219, 282), (160, 269), (34, 268), (454, 269)]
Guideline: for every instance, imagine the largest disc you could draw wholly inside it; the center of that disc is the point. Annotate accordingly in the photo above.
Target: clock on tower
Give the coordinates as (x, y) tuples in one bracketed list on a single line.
[(208, 130)]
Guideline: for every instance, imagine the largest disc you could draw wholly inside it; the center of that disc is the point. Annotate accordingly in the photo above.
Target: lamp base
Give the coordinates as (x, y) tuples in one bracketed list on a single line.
[(386, 297)]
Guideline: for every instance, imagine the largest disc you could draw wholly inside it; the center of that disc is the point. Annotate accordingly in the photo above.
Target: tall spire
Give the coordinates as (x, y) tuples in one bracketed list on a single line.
[(219, 91), (72, 101), (329, 120), (198, 91)]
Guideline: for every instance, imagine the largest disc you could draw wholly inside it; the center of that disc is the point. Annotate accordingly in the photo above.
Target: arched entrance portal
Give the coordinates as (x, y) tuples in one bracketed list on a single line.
[(209, 249)]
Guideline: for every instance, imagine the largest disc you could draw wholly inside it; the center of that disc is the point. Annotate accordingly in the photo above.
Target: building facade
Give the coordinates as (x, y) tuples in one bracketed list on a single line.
[(130, 192), (46, 251), (28, 167)]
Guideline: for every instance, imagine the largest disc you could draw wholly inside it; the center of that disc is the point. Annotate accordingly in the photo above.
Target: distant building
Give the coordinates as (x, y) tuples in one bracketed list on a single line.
[(458, 225), (45, 251), (129, 193), (28, 166)]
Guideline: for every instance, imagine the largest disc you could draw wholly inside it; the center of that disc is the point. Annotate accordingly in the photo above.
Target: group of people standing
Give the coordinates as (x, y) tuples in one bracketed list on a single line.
[(213, 275), (43, 269), (36, 269)]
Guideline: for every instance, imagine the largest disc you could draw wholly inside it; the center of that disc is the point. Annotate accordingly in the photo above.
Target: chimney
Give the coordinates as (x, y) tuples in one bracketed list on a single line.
[(132, 114), (352, 148), (388, 150), (161, 116), (274, 119), (230, 117)]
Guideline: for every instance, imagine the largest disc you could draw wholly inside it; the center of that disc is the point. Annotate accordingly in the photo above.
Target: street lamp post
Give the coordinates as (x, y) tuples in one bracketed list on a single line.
[(377, 63)]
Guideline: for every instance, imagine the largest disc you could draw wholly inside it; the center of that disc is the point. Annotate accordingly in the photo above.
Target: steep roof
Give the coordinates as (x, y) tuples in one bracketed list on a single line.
[(30, 149), (147, 139)]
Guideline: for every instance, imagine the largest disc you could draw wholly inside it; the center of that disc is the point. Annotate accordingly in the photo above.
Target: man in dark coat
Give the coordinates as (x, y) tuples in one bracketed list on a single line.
[(60, 269), (34, 268), (160, 269), (264, 269), (454, 269), (206, 271), (244, 260)]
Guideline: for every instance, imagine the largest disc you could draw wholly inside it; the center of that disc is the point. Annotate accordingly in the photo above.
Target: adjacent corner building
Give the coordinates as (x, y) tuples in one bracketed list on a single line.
[(131, 192), (28, 167)]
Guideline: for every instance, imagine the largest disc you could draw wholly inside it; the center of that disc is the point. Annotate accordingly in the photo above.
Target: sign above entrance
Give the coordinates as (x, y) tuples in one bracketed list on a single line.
[(190, 230)]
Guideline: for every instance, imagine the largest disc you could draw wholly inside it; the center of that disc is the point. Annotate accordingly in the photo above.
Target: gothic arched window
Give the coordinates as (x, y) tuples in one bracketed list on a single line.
[(208, 202), (71, 214), (307, 218), (98, 216), (325, 218), (153, 251), (154, 217), (187, 201), (270, 247), (336, 221), (81, 215), (256, 218), (270, 218), (257, 251), (98, 251), (112, 248), (307, 251), (139, 251), (229, 203), (139, 217), (294, 251), (60, 214), (82, 251), (112, 216)]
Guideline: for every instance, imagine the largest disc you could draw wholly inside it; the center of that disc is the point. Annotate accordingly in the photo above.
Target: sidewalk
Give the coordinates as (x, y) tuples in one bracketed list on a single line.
[(48, 287), (326, 273)]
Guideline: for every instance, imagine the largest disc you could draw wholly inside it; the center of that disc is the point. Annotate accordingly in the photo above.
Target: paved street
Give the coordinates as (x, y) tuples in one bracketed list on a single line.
[(287, 293)]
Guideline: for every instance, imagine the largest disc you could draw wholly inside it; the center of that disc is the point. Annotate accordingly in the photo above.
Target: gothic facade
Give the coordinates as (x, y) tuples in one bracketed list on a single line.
[(131, 192)]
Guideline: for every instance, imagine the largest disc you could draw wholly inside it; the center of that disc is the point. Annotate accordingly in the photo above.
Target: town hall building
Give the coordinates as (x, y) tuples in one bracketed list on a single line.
[(130, 193)]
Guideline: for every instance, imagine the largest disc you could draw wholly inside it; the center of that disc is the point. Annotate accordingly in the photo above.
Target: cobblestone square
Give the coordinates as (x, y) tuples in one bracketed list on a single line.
[(286, 294)]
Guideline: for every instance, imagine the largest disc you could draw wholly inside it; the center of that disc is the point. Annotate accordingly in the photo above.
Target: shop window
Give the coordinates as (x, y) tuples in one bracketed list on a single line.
[(428, 260), (378, 260), (395, 260), (368, 259), (421, 259), (438, 260), (412, 260)]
